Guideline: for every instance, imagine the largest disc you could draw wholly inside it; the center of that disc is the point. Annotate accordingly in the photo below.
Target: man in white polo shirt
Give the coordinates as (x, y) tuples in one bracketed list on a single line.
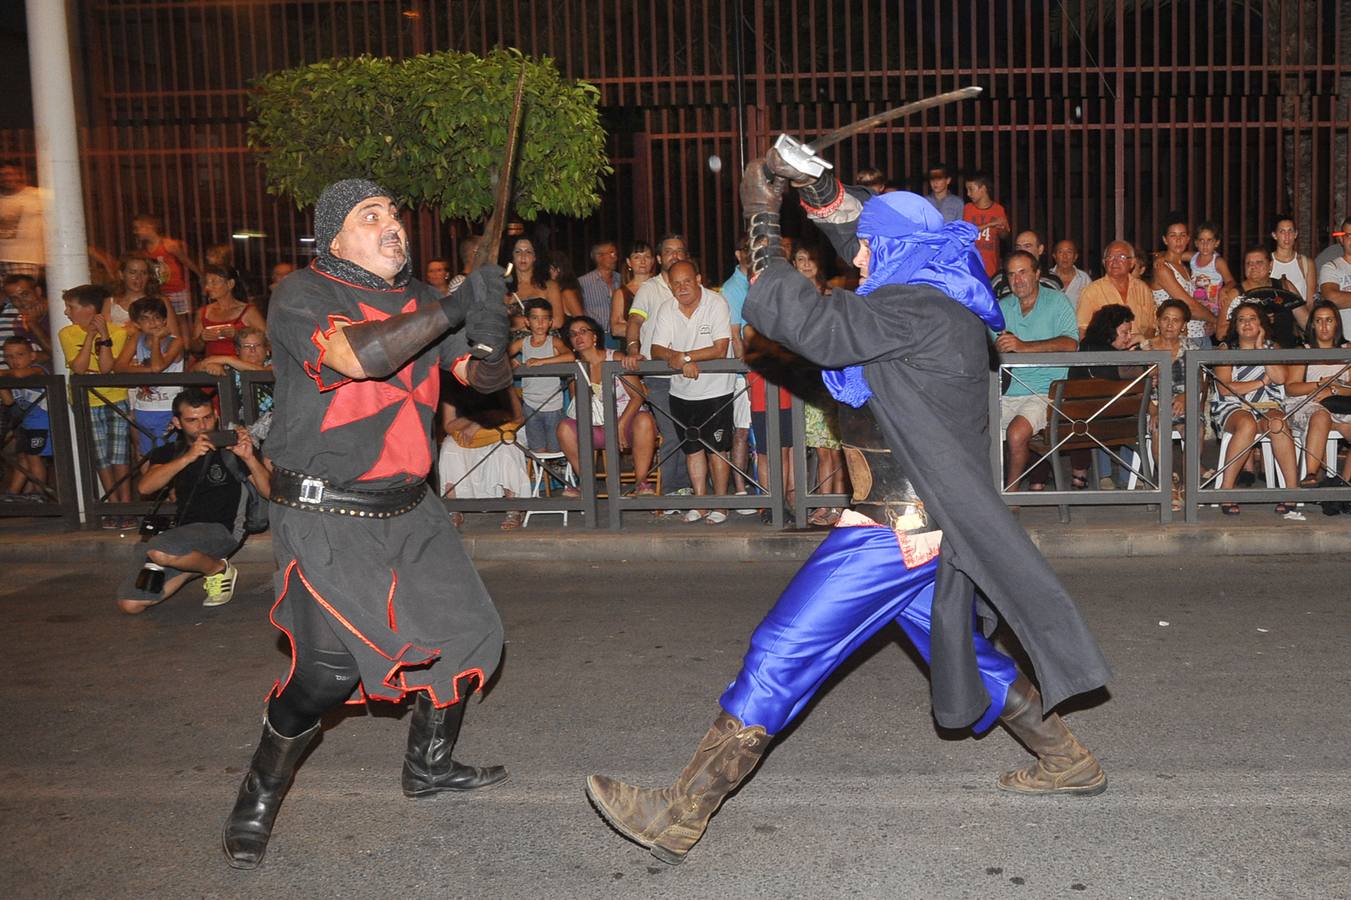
[(697, 328), (653, 296)]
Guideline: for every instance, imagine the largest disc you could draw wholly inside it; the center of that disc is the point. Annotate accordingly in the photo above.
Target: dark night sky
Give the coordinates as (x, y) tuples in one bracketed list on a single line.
[(17, 109)]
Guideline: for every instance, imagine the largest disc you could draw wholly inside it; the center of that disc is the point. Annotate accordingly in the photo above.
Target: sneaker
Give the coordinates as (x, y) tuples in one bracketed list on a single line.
[(109, 523), (220, 588), (1106, 483), (693, 515)]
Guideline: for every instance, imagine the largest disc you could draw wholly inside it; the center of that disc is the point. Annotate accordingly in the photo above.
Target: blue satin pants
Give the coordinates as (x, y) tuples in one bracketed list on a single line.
[(854, 584)]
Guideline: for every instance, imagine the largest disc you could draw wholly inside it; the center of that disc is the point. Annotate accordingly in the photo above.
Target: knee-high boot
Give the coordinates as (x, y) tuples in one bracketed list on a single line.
[(427, 765), (671, 820), (1063, 766), (250, 824)]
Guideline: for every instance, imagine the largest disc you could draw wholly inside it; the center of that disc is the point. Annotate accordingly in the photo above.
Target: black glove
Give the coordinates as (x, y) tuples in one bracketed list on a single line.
[(485, 323), (816, 191), (761, 190)]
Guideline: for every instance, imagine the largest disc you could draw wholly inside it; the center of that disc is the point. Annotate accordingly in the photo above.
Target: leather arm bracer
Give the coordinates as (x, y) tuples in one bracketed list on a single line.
[(384, 346)]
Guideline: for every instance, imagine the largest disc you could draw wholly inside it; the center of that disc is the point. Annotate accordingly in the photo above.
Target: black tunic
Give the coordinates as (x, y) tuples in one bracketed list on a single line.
[(401, 593), (926, 358)]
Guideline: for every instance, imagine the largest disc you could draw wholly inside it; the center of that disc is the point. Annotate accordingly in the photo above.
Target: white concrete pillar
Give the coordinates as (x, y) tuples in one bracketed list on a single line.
[(58, 156)]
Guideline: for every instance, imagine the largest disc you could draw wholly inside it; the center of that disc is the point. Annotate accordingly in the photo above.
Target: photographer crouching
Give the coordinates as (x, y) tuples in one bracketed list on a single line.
[(208, 471)]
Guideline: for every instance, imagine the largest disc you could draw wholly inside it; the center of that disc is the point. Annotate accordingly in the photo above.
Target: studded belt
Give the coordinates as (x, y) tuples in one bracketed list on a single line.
[(300, 491)]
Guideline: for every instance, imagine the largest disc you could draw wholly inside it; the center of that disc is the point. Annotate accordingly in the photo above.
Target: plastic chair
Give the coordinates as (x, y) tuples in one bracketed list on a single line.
[(538, 476)]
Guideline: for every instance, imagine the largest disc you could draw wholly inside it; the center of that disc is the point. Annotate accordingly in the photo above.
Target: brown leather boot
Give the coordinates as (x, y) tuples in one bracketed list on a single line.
[(1063, 766), (670, 821)]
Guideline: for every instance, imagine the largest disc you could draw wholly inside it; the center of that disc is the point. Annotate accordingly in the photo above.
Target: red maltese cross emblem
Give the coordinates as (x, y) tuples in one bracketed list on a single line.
[(405, 450)]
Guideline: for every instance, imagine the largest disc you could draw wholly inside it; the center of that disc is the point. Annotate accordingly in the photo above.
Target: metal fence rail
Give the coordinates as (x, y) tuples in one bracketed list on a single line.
[(1198, 368), (771, 484), (58, 492), (83, 387), (1152, 368)]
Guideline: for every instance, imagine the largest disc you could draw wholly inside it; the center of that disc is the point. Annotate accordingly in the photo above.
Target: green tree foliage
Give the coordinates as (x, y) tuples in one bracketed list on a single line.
[(433, 129)]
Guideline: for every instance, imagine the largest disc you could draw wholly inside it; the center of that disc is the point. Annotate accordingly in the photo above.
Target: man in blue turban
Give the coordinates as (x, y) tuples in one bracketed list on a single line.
[(908, 357)]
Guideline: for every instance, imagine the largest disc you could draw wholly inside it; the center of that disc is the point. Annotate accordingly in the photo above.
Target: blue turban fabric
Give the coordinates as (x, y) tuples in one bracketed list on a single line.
[(909, 243)]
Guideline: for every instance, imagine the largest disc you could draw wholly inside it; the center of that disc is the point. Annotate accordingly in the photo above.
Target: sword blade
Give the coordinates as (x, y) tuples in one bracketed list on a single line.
[(492, 232), (889, 115)]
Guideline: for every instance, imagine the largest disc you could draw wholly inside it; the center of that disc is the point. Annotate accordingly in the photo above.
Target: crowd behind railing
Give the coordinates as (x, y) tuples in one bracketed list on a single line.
[(645, 361)]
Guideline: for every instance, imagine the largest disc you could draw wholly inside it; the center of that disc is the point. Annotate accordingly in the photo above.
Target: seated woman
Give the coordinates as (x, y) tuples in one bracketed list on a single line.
[(1246, 404), (1307, 390), (637, 430), (479, 456), (1277, 297), (1111, 328), (1173, 316), (253, 353)]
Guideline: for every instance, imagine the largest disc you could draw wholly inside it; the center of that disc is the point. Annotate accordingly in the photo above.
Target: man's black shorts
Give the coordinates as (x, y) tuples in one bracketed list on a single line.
[(32, 442), (712, 418)]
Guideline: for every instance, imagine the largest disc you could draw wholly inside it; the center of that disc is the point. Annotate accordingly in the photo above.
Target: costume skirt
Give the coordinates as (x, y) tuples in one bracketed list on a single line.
[(400, 593)]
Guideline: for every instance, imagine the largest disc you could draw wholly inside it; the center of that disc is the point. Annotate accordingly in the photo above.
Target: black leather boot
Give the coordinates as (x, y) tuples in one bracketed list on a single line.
[(269, 776), (427, 766)]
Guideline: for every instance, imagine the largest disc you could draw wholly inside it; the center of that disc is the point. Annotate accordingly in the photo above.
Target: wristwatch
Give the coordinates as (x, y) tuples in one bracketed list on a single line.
[(102, 343), (686, 358)]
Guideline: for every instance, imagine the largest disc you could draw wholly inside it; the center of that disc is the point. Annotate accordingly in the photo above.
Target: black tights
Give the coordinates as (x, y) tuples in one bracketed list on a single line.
[(325, 674)]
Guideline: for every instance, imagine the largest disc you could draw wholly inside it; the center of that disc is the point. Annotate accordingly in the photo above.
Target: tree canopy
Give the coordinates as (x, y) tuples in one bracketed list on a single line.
[(433, 129)]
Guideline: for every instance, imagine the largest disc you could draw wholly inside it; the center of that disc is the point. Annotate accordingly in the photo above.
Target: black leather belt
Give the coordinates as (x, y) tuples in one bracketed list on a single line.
[(300, 491)]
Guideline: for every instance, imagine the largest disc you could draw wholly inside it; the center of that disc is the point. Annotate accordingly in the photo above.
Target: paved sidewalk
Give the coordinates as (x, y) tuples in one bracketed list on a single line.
[(1105, 531)]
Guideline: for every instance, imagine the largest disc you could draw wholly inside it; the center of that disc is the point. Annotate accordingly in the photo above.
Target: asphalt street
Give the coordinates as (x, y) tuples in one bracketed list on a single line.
[(1225, 738)]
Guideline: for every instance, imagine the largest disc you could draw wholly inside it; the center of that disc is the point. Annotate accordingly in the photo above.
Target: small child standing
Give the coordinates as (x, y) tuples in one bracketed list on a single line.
[(32, 438), (542, 397), (156, 349), (989, 217)]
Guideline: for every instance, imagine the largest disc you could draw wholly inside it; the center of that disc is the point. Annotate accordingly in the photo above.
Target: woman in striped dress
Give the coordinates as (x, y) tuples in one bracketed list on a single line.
[(1246, 403)]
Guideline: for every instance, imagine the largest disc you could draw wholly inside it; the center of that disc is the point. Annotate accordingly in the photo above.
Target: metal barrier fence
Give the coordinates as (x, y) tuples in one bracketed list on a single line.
[(53, 492), (1155, 369), (769, 483), (1147, 374), (90, 392)]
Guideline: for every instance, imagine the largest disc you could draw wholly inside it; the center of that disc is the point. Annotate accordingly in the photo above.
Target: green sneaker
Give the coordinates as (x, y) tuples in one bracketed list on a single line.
[(220, 588)]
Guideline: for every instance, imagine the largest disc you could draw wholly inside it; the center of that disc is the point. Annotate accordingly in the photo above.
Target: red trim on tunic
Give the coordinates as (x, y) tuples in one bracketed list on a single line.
[(389, 604), (280, 686), (455, 365), (316, 371), (399, 660)]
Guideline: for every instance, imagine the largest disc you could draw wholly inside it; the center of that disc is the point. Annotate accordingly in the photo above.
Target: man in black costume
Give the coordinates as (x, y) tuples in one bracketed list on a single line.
[(374, 590), (910, 366)]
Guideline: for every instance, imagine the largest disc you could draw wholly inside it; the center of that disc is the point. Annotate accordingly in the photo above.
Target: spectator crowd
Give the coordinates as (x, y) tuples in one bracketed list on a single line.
[(156, 308)]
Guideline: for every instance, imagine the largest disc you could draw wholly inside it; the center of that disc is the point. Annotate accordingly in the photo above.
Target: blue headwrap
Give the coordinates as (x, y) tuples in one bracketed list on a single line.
[(909, 243)]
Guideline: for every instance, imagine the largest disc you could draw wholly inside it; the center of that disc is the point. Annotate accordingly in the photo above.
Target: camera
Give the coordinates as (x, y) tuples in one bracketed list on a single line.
[(152, 525), (224, 438), (150, 579)]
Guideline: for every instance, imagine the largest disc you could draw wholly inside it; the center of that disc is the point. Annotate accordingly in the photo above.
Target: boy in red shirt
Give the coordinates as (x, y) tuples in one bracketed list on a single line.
[(989, 217)]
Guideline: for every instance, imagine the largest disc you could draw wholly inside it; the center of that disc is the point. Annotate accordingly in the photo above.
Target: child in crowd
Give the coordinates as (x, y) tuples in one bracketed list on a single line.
[(91, 346), (989, 217), (32, 441), (542, 397), (156, 348)]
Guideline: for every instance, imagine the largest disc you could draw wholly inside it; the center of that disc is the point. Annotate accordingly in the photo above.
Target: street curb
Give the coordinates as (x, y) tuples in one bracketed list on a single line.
[(1054, 541)]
